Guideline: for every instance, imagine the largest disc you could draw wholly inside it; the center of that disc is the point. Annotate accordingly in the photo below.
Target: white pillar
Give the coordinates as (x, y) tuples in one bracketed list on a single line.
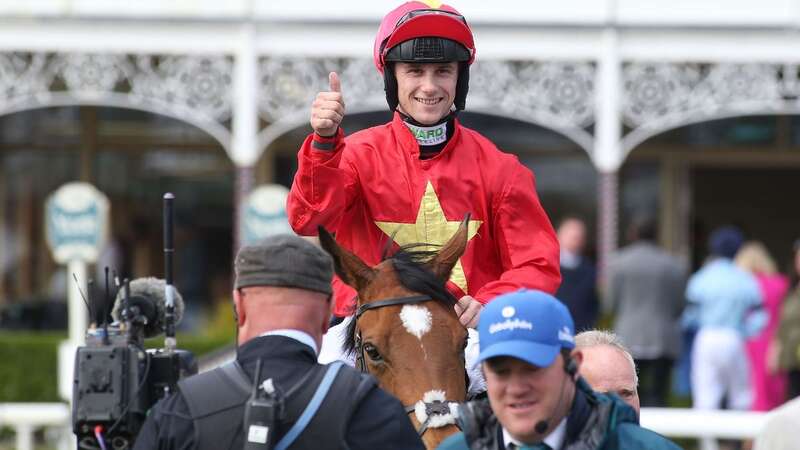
[(78, 323), (244, 142), (245, 99), (607, 154)]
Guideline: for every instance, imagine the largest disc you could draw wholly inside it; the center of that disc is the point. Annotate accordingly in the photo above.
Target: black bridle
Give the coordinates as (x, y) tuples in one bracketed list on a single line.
[(434, 408), (361, 363)]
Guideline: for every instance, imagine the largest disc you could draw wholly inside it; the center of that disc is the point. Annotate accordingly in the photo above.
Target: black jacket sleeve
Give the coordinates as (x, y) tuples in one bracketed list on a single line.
[(168, 426), (381, 422)]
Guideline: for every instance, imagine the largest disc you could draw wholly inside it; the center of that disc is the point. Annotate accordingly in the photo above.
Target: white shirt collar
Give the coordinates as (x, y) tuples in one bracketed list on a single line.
[(555, 439), (570, 260), (297, 335)]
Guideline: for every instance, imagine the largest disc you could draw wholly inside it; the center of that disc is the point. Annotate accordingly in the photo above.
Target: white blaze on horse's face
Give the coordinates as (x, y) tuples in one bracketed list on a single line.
[(416, 320)]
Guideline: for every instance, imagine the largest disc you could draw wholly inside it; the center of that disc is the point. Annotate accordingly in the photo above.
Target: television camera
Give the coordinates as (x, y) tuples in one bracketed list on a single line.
[(116, 380)]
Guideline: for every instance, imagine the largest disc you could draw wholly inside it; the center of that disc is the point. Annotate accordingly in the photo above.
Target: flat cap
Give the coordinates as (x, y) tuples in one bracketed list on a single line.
[(284, 260)]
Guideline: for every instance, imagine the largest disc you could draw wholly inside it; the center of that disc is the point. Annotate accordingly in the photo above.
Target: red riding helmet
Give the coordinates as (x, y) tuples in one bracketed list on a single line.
[(417, 32)]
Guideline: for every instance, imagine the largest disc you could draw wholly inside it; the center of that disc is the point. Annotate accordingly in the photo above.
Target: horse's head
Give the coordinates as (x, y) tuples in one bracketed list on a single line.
[(406, 332)]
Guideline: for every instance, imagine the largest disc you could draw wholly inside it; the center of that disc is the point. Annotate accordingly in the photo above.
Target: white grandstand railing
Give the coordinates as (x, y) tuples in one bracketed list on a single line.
[(25, 418), (705, 425)]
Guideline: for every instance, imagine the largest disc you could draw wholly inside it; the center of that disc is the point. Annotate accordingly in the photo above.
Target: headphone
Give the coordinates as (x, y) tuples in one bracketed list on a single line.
[(571, 367)]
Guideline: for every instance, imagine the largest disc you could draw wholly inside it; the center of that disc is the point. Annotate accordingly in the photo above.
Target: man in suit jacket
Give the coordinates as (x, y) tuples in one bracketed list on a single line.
[(646, 295), (578, 288), (282, 299)]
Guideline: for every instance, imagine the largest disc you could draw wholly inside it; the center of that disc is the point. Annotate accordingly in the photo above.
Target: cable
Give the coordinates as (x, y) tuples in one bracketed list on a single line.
[(86, 302), (98, 433)]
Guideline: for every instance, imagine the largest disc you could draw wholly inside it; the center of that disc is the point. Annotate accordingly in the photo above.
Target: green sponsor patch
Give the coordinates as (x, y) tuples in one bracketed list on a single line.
[(429, 135)]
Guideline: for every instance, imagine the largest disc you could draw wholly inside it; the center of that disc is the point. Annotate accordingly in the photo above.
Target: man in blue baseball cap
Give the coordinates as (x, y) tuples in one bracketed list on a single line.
[(536, 399)]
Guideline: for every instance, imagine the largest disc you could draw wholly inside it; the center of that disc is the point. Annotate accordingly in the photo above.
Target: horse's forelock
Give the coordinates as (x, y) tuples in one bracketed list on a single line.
[(410, 265)]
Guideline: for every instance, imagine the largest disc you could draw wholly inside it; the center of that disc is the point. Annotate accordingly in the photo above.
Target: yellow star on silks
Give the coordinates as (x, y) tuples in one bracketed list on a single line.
[(431, 227), (435, 4)]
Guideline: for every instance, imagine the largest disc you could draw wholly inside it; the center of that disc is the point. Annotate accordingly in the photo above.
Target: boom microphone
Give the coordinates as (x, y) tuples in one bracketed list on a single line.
[(544, 424), (570, 367), (146, 305)]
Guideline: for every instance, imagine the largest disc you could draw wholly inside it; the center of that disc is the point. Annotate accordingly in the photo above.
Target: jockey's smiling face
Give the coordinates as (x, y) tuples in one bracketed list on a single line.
[(426, 91)]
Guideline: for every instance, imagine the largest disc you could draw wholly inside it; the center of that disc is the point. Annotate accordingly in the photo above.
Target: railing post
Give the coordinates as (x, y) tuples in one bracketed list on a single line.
[(24, 436)]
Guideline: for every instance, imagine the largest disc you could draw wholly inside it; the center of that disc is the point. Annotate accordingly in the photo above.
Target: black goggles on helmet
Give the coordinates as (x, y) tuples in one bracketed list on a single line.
[(427, 50)]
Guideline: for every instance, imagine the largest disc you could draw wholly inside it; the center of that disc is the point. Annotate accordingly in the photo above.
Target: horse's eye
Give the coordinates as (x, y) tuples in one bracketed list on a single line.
[(372, 352)]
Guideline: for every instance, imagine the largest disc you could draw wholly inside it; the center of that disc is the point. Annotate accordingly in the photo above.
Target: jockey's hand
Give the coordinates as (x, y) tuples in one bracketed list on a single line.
[(468, 310), (327, 111)]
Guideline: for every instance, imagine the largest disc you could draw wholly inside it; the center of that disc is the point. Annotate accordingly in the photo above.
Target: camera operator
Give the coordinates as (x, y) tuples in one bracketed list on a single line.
[(282, 299)]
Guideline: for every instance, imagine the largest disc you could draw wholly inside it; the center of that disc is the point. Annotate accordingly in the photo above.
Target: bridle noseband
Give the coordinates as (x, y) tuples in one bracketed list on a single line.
[(432, 409)]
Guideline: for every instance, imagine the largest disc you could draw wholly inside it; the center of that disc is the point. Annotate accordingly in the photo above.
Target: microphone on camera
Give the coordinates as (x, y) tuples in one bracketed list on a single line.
[(146, 303), (571, 368)]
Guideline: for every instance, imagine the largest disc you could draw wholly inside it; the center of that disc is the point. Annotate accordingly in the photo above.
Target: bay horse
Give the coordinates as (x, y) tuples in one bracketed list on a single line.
[(405, 330)]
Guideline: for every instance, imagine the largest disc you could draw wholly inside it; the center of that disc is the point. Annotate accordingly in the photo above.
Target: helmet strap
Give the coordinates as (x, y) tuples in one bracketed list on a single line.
[(410, 120), (462, 86), (390, 86)]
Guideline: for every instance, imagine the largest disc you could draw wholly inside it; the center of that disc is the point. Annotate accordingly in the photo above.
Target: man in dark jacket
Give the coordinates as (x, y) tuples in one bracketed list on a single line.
[(536, 399), (282, 297), (578, 288)]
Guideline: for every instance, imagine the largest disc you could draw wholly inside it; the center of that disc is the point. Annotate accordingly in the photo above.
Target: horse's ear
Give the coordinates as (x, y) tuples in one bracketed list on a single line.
[(350, 268), (444, 261)]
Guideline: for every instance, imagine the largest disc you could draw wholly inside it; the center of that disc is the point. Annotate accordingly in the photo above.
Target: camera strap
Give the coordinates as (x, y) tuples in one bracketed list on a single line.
[(216, 400), (311, 408)]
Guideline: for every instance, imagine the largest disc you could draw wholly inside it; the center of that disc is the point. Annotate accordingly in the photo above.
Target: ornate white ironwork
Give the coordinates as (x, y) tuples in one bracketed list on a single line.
[(556, 95), (193, 88), (201, 84), (289, 85), (90, 75), (661, 96), (21, 76), (654, 91)]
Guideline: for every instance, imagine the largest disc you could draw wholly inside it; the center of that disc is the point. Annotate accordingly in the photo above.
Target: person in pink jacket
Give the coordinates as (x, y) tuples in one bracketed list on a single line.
[(769, 388)]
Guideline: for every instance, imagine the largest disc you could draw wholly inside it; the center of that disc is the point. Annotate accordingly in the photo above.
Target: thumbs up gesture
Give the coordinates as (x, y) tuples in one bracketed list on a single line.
[(327, 111)]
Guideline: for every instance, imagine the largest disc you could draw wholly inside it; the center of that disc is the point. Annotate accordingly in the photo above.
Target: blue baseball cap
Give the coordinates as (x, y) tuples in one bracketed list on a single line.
[(725, 241), (529, 325)]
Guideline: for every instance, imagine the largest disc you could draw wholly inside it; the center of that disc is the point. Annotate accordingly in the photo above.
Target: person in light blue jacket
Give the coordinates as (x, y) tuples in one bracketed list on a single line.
[(725, 305)]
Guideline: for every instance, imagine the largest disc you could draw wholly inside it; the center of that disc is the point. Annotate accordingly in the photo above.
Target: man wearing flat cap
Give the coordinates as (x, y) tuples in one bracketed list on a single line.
[(282, 298)]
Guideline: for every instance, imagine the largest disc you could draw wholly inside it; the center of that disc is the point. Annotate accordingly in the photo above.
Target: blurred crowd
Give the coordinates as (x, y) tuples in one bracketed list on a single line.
[(728, 333)]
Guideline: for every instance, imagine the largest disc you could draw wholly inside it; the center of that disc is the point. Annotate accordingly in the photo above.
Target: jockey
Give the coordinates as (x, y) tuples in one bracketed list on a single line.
[(415, 178)]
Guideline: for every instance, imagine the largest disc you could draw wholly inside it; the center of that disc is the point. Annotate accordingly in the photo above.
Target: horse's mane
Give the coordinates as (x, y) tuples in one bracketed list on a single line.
[(410, 264)]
